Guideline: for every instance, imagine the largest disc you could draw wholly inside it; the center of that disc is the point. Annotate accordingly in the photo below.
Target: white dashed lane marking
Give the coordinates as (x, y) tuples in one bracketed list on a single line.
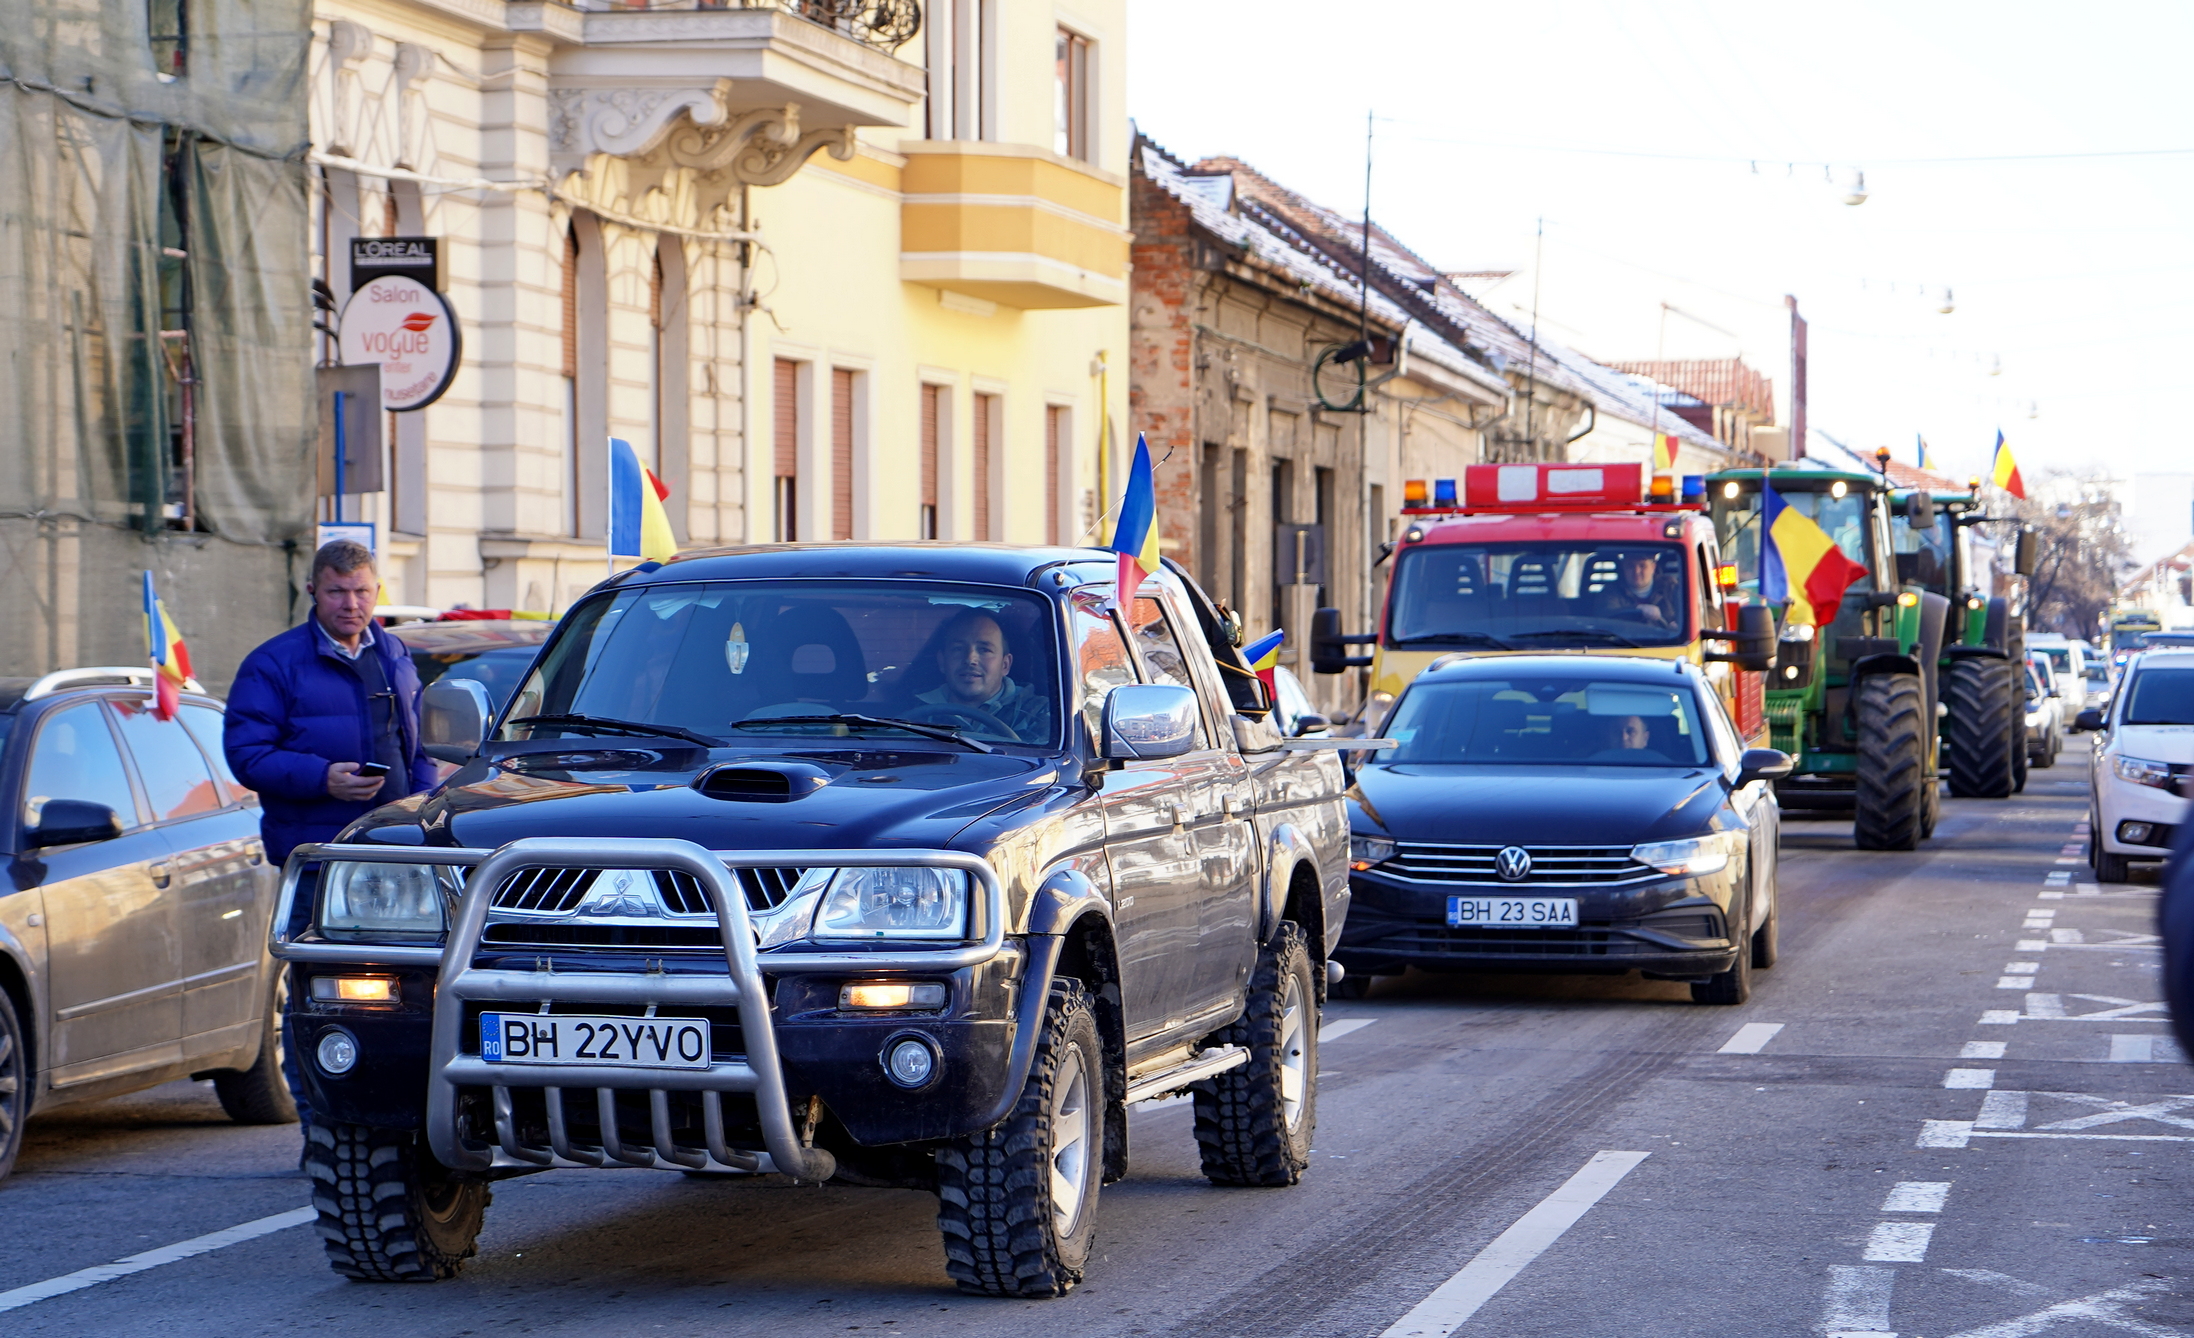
[(1898, 1242), (1917, 1196), (1751, 1038), (1342, 1026), (1983, 1050), (1970, 1080), (166, 1254)]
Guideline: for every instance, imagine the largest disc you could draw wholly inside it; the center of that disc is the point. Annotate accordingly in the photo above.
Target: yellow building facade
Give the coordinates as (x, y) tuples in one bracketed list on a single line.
[(836, 271)]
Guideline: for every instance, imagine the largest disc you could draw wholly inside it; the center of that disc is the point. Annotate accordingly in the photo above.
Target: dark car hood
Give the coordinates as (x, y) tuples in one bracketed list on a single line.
[(872, 798), (1500, 805)]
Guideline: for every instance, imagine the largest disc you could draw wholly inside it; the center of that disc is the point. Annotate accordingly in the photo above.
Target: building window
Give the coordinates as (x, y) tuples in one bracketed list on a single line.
[(986, 449), (932, 412), (167, 28), (787, 441), (962, 96), (841, 453), (1070, 132), (1055, 445)]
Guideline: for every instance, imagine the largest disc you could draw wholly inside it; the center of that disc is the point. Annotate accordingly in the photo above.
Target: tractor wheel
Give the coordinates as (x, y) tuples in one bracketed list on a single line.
[(1980, 735), (1892, 763)]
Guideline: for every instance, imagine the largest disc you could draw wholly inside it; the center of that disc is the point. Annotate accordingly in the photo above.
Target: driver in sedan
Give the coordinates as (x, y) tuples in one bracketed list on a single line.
[(974, 659)]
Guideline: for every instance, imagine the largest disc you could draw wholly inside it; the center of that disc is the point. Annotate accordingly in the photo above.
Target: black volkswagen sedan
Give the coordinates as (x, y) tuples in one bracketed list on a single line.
[(1564, 813)]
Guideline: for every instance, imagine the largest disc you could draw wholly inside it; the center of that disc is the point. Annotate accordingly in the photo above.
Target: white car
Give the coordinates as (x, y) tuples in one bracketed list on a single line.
[(2044, 712), (2144, 751)]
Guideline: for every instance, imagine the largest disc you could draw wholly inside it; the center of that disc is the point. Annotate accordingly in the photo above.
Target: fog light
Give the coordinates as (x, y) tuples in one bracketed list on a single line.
[(892, 994), (338, 1052), (2136, 833), (354, 989), (910, 1062), (1790, 671)]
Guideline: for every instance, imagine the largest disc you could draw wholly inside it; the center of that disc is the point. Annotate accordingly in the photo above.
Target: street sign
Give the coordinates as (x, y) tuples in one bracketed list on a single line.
[(410, 331), (414, 257)]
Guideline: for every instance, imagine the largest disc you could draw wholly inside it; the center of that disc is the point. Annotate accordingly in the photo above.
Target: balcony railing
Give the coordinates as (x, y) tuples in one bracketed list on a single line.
[(884, 24)]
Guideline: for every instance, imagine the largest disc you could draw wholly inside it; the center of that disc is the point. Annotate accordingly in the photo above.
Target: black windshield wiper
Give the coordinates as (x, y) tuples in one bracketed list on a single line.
[(1454, 639), (1581, 632), (941, 733), (605, 725)]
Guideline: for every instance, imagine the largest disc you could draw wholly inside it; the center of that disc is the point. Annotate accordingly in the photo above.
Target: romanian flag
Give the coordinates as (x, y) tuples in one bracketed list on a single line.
[(1799, 564), (638, 525), (1263, 655), (1135, 533), (1927, 457), (170, 657), (1664, 453), (2004, 471)]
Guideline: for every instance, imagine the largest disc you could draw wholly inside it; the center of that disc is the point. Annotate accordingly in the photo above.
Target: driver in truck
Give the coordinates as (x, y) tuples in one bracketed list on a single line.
[(1642, 592), (974, 659)]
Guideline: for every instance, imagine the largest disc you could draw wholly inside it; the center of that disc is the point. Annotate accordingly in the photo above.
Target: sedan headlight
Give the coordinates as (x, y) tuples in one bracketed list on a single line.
[(1365, 851), (2141, 771), (1699, 855), (894, 903), (361, 901)]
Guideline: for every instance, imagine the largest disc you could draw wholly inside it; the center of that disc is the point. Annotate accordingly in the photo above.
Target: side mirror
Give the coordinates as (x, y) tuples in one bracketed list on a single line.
[(1758, 764), (2088, 719), (453, 718), (1310, 722), (1920, 510), (1754, 640), (1329, 645), (1145, 721), (2025, 556), (72, 822)]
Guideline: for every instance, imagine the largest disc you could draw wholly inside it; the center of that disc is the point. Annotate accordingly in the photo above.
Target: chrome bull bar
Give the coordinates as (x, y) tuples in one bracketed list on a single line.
[(758, 1073)]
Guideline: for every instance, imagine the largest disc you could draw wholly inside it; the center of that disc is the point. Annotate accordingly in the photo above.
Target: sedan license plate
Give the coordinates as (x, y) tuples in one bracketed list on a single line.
[(1512, 912), (613, 1042)]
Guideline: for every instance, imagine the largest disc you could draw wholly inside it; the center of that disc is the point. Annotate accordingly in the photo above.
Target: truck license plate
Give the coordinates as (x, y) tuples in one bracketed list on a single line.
[(614, 1042), (1512, 912)]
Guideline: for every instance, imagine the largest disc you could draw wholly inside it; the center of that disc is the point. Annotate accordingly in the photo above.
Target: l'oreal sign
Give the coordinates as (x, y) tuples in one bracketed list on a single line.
[(414, 257)]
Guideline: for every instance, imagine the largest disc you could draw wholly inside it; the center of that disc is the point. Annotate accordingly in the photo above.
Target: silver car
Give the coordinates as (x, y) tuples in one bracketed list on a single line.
[(133, 930)]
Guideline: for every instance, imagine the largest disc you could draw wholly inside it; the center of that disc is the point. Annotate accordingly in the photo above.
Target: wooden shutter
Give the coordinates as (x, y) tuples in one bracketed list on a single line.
[(841, 453), (986, 428), (1054, 429), (787, 396), (932, 407), (571, 302)]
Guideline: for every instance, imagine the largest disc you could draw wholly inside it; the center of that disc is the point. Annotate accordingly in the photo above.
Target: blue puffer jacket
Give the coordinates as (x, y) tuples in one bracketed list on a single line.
[(296, 707)]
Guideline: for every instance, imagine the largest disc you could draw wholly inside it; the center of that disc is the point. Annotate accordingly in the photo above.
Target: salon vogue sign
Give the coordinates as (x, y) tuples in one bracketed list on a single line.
[(408, 329)]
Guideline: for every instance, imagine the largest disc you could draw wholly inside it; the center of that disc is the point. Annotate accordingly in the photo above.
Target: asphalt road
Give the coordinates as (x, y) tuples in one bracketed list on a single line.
[(1950, 1112)]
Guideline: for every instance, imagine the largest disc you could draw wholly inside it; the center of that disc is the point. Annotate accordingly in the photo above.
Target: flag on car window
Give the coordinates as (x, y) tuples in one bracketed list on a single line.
[(1263, 655), (1135, 533), (170, 657), (638, 525), (1799, 564), (2004, 471)]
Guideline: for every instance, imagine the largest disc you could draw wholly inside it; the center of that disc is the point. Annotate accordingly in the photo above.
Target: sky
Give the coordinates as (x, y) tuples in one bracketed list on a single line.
[(1620, 155)]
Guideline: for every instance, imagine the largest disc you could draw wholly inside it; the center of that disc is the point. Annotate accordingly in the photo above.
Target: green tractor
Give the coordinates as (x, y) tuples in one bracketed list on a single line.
[(1983, 725), (1853, 700)]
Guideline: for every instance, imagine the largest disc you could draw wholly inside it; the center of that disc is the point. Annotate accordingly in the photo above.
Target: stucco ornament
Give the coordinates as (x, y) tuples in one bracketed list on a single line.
[(626, 121), (760, 148)]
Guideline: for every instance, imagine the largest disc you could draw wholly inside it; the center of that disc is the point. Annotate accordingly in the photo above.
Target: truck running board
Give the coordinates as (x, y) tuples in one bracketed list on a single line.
[(1210, 1062)]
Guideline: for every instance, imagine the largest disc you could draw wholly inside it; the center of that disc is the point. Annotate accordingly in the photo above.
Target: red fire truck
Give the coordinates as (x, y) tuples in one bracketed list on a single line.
[(1560, 557)]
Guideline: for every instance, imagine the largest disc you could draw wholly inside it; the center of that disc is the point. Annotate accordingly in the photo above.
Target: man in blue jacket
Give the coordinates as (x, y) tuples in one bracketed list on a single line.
[(313, 705)]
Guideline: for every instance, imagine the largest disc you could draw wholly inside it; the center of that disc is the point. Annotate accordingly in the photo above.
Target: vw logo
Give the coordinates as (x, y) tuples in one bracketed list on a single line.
[(1513, 864)]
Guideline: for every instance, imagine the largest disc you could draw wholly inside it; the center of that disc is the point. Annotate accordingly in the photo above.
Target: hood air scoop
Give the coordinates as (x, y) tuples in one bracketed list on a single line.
[(762, 782)]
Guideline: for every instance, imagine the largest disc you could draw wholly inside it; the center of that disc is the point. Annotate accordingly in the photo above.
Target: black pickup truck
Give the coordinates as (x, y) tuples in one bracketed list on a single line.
[(908, 865)]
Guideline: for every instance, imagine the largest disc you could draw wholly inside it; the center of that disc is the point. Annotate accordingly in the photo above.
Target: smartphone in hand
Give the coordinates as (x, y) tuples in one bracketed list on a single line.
[(372, 770)]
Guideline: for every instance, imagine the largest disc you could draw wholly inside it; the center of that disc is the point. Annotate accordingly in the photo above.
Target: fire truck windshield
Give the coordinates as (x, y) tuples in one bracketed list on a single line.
[(1539, 596)]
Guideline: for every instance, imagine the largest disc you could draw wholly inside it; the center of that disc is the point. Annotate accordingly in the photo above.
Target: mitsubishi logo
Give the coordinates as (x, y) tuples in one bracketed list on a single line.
[(621, 892), (1513, 864)]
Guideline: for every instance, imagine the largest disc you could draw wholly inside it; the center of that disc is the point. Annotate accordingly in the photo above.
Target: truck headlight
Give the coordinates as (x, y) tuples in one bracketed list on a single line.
[(360, 901), (1365, 851), (894, 903), (1699, 855), (2141, 771)]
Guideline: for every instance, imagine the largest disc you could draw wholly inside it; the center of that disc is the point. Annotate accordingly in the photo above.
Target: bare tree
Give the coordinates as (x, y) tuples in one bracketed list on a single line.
[(2083, 553)]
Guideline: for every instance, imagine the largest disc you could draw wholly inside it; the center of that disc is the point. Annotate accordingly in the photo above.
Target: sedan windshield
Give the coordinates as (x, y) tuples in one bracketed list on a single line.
[(2161, 697), (1539, 596), (745, 660), (1562, 720)]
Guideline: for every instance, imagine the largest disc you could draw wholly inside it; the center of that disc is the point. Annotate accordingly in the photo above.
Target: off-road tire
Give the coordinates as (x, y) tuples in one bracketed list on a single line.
[(1892, 761), (261, 1094), (15, 1084), (388, 1211), (995, 1208), (1733, 986), (1244, 1129), (1982, 747)]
